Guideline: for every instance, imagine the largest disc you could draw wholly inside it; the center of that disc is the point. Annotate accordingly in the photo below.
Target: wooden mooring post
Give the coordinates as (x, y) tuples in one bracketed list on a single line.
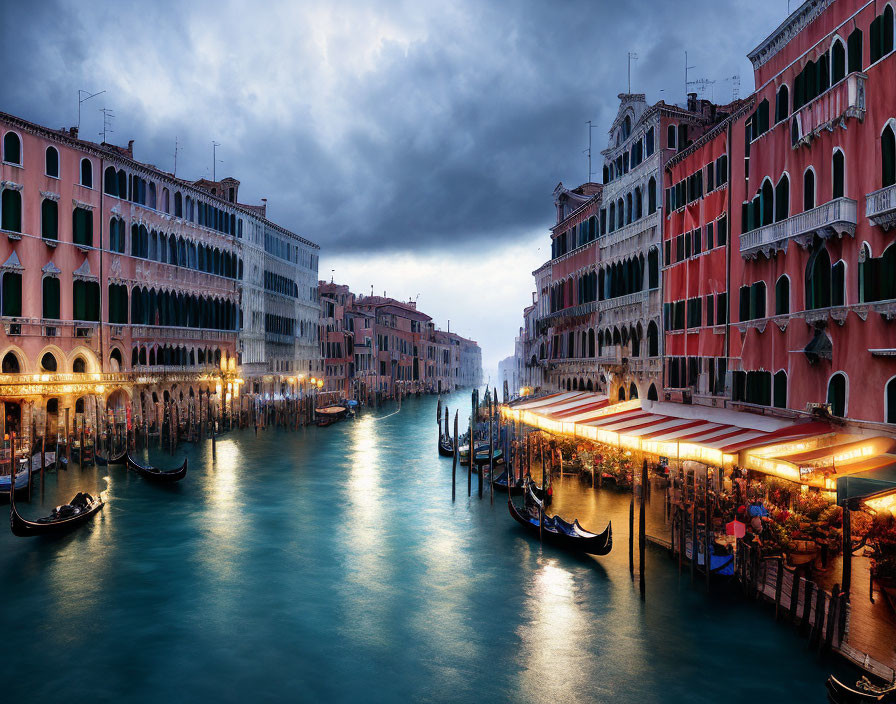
[(642, 536)]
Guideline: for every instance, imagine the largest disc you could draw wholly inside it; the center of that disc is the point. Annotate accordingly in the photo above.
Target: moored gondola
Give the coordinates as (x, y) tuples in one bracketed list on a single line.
[(22, 477), (62, 519), (446, 446), (103, 461), (863, 691), (481, 454), (335, 412), (501, 484), (570, 536), (154, 473)]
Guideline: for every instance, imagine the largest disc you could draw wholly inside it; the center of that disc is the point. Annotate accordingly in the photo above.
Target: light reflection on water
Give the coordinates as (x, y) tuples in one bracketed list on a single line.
[(331, 564)]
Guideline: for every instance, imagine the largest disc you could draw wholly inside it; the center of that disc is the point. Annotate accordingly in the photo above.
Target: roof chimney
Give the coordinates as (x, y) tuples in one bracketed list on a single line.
[(692, 102), (73, 132), (131, 148)]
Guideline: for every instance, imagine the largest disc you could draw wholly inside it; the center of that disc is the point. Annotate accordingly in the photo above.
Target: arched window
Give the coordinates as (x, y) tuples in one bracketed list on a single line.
[(782, 103), (767, 203), (838, 394), (782, 295), (79, 366), (626, 127), (653, 347), (854, 49), (612, 216), (48, 362), (10, 364), (782, 198), (890, 401), (818, 278), (888, 157), (606, 174), (632, 391), (838, 177), (838, 61), (779, 389), (12, 294), (12, 148), (638, 204), (591, 351), (653, 268), (110, 181), (51, 298), (651, 196), (628, 208), (178, 205), (86, 173), (115, 360), (670, 136), (838, 284), (809, 189), (51, 162), (11, 205)]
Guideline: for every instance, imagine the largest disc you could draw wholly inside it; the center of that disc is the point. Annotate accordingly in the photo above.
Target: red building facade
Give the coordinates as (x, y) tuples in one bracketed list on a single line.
[(813, 272)]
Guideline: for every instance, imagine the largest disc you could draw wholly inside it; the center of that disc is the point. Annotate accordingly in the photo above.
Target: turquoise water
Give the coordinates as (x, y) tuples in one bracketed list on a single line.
[(330, 564)]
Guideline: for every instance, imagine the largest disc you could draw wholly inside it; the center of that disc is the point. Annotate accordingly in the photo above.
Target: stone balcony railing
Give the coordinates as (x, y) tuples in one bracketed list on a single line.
[(837, 217), (571, 312), (880, 207), (629, 299), (649, 365), (630, 230), (160, 332), (832, 108)]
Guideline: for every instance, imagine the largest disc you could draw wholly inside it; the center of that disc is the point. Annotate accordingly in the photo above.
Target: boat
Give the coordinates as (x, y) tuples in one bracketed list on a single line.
[(154, 473), (446, 446), (62, 519), (501, 485), (103, 461), (481, 455), (335, 412), (325, 421), (863, 691), (554, 529), (23, 475)]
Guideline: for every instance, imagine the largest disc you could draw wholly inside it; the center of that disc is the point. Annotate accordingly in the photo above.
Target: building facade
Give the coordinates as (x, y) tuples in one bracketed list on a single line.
[(121, 285), (812, 294)]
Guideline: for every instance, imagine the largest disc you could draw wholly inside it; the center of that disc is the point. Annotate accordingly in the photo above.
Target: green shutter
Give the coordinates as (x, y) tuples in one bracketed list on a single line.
[(49, 219), (51, 298), (12, 294)]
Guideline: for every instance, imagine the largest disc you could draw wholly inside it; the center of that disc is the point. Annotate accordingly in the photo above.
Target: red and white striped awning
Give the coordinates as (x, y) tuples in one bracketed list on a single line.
[(707, 434)]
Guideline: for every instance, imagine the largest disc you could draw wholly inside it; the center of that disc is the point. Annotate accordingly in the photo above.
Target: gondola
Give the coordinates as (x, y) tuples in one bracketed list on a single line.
[(501, 485), (336, 412), (863, 691), (21, 481), (154, 473), (103, 461), (446, 446), (570, 536), (481, 454), (63, 518)]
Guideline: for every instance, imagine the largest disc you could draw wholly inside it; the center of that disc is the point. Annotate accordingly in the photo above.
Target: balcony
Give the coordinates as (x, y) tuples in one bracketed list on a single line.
[(629, 299), (837, 217), (637, 227), (829, 110), (571, 312), (159, 332), (880, 207)]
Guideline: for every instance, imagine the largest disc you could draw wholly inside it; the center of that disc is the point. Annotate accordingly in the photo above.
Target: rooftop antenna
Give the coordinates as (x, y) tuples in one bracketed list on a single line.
[(107, 121), (588, 151), (332, 272), (632, 56), (175, 155), (215, 146), (702, 83), (84, 100), (686, 83)]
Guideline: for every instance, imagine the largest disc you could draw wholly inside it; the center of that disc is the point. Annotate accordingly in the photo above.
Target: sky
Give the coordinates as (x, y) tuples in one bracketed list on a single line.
[(417, 142)]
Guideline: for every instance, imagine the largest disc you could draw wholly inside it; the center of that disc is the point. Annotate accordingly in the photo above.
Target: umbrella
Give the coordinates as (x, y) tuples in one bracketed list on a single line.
[(736, 528)]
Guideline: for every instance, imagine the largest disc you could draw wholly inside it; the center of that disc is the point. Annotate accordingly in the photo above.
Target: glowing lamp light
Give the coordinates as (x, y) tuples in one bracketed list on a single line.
[(45, 378), (97, 377), (100, 389)]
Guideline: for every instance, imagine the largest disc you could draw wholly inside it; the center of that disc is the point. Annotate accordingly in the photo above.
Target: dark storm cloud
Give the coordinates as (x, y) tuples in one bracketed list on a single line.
[(372, 126)]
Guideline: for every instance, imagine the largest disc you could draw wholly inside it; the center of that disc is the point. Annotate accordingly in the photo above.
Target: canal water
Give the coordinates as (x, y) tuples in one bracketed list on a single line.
[(331, 565)]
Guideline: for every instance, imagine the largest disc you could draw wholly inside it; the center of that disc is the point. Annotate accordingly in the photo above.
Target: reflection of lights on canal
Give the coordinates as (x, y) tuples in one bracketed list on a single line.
[(554, 631), (224, 517)]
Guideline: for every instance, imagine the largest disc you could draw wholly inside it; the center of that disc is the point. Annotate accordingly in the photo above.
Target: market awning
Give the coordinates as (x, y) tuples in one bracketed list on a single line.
[(709, 435)]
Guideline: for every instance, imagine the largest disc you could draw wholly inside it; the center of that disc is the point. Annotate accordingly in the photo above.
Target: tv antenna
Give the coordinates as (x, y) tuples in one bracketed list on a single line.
[(88, 96), (108, 115), (588, 151), (686, 81), (632, 56), (702, 84), (176, 147)]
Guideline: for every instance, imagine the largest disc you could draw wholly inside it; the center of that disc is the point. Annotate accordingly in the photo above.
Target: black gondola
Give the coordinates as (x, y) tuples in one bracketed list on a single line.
[(566, 535), (63, 518), (446, 446), (154, 473), (863, 691), (501, 485), (103, 461)]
